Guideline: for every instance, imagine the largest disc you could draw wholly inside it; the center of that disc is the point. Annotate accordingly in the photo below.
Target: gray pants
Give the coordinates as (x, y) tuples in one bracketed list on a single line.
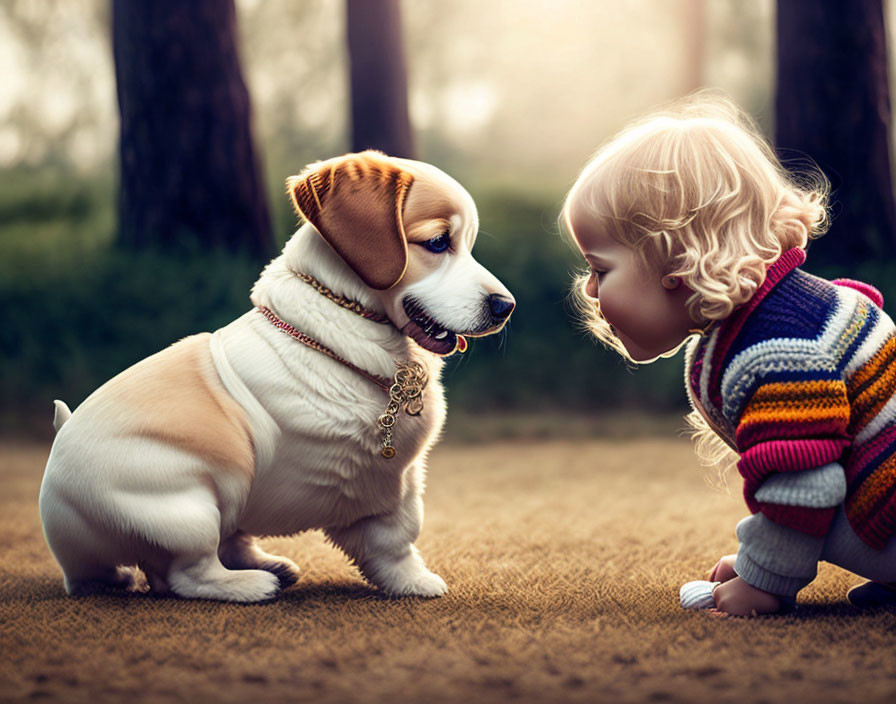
[(782, 561)]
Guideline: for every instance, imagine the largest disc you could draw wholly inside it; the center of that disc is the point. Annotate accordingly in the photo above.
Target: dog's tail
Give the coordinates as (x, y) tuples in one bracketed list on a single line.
[(61, 416)]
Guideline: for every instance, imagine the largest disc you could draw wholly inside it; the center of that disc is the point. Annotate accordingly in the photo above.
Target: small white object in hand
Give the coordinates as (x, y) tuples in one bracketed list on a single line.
[(698, 595)]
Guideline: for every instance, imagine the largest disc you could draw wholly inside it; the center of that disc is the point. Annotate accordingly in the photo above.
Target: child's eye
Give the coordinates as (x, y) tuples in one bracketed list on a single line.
[(438, 244)]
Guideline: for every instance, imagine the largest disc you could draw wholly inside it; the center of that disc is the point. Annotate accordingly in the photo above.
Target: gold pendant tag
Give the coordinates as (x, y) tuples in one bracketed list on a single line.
[(407, 390)]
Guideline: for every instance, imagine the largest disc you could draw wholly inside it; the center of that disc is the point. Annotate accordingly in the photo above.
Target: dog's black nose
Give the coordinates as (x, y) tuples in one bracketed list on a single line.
[(500, 306)]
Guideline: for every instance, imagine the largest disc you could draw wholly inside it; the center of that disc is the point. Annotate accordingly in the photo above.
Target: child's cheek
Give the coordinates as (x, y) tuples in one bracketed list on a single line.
[(632, 315), (615, 309)]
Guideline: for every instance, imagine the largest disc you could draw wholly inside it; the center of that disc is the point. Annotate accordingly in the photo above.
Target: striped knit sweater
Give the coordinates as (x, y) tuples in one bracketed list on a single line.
[(800, 377)]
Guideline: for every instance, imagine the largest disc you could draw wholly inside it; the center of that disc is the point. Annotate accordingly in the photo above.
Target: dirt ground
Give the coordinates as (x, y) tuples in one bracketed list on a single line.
[(563, 560)]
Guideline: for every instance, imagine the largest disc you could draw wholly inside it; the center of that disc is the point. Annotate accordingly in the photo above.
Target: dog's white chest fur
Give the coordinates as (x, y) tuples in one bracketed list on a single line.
[(314, 423)]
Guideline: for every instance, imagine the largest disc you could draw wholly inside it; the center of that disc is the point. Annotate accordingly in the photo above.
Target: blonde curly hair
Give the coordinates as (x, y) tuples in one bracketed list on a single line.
[(698, 191), (701, 195)]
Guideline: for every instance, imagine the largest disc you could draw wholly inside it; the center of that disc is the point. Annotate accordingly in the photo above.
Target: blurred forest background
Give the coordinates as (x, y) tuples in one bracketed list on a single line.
[(133, 135)]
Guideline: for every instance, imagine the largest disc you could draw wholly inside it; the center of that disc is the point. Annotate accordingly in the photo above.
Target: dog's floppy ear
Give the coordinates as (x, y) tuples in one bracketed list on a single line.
[(355, 202)]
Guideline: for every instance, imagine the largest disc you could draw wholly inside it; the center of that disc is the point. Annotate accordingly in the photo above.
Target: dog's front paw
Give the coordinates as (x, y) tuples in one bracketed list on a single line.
[(410, 578), (427, 584)]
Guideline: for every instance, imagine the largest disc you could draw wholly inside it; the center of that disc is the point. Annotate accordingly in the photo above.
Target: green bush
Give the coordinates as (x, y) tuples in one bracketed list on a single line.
[(47, 216)]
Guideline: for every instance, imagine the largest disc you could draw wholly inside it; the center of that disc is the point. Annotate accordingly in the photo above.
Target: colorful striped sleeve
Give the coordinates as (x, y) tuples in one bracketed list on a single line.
[(794, 422)]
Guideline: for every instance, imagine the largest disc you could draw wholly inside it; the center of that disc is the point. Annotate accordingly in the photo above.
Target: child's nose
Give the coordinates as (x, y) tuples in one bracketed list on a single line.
[(591, 288)]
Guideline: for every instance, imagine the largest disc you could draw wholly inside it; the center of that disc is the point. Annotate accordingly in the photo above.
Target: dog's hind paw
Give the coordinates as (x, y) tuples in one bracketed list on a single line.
[(286, 571), (107, 581), (211, 580), (131, 579)]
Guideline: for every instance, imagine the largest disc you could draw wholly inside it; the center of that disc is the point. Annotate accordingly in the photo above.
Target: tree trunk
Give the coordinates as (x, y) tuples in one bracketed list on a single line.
[(833, 105), (378, 78), (188, 167)]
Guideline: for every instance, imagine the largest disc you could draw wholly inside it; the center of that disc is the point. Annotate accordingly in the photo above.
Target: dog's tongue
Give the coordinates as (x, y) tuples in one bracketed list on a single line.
[(451, 343)]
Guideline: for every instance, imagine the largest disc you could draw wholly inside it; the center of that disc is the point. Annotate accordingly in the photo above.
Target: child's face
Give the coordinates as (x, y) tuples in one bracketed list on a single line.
[(648, 318)]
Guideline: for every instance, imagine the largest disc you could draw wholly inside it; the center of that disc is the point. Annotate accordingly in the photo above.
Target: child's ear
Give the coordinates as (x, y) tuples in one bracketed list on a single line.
[(356, 203), (671, 282)]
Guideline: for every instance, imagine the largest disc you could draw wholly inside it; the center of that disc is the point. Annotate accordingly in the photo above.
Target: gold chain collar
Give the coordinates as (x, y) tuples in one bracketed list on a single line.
[(346, 303), (406, 387)]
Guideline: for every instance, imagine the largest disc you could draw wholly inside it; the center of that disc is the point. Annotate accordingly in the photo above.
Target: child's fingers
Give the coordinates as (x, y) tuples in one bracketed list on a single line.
[(724, 569), (739, 598)]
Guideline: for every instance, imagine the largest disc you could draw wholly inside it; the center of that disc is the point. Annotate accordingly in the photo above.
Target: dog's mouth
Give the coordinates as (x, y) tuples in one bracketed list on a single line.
[(428, 333)]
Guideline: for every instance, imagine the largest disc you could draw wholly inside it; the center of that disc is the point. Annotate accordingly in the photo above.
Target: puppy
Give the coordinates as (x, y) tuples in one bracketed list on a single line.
[(283, 421)]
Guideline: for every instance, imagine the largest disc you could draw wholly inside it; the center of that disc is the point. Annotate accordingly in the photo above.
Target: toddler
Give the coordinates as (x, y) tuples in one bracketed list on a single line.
[(694, 233)]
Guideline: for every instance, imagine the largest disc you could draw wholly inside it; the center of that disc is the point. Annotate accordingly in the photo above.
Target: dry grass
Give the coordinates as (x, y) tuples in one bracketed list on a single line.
[(563, 559)]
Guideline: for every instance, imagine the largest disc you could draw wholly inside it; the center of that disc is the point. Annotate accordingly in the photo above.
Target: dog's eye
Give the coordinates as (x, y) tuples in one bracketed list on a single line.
[(438, 244)]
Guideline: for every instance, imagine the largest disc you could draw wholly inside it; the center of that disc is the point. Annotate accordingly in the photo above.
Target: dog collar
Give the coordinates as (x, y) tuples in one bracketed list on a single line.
[(356, 307), (346, 303), (405, 389)]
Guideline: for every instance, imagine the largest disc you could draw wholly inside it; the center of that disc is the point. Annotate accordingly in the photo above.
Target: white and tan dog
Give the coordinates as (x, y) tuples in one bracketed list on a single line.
[(175, 465)]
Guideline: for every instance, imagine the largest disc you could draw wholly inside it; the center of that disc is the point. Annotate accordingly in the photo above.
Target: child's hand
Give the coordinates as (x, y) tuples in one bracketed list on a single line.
[(737, 598), (724, 569)]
